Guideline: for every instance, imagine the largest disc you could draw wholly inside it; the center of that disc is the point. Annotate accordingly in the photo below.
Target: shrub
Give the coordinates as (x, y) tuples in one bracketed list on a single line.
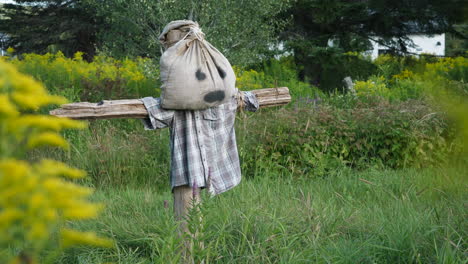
[(275, 73), (312, 141), (104, 78), (375, 86), (36, 198), (327, 67)]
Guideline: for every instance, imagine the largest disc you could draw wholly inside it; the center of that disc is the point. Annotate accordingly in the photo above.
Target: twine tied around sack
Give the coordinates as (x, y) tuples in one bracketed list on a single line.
[(196, 32), (194, 74), (180, 30), (240, 100)]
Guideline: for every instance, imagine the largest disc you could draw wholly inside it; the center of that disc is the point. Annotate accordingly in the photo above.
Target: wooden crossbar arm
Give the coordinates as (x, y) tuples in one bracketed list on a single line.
[(134, 108)]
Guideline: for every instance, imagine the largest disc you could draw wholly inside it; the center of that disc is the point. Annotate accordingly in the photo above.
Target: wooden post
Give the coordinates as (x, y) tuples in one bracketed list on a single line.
[(186, 202), (185, 197), (134, 108)]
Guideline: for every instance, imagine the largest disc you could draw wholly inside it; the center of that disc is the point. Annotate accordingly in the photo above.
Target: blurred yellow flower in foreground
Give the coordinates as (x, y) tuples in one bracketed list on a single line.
[(72, 237), (36, 199)]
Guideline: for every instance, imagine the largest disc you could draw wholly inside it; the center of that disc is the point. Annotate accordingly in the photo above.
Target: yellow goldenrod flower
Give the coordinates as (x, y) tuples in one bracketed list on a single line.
[(25, 84), (13, 170), (50, 215), (47, 139), (7, 109), (62, 189), (35, 101), (82, 210), (72, 237), (57, 168), (38, 231), (67, 123), (78, 56), (39, 121), (9, 215), (34, 199), (38, 200)]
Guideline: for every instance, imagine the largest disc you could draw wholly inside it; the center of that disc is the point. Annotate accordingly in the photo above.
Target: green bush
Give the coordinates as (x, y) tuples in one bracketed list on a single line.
[(276, 73), (390, 65), (373, 133), (386, 124), (398, 89), (327, 67), (104, 78)]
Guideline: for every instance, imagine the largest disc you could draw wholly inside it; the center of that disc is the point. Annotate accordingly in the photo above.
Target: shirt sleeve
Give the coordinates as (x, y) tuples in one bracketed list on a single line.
[(157, 116), (250, 102)]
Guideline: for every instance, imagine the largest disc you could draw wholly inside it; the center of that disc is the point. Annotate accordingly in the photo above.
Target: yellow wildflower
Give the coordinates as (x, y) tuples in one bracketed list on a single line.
[(15, 170), (405, 74), (37, 201), (35, 101), (50, 214), (48, 122), (38, 231), (57, 168), (25, 84), (39, 121), (78, 56), (57, 187), (7, 109), (66, 123), (34, 200), (72, 237), (9, 215), (82, 210), (47, 139)]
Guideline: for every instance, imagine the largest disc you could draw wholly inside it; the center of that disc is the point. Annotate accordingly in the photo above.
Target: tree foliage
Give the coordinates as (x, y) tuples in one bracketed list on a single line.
[(242, 30), (351, 24), (43, 26)]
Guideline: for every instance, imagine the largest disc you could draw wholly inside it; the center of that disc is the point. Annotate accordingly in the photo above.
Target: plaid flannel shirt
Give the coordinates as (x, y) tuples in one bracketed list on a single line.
[(203, 143)]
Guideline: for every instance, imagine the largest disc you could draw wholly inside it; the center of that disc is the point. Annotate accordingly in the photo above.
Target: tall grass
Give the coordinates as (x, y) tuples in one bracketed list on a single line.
[(302, 199), (104, 78), (408, 216)]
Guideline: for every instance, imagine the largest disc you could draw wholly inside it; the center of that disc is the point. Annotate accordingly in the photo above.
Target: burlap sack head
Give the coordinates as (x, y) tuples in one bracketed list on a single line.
[(194, 74), (175, 31)]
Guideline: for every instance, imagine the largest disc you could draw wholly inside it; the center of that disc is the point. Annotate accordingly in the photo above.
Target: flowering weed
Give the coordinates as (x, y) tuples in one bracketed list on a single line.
[(36, 199)]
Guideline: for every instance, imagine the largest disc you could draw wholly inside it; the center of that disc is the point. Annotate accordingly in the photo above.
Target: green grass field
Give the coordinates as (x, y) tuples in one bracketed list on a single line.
[(404, 216), (337, 178)]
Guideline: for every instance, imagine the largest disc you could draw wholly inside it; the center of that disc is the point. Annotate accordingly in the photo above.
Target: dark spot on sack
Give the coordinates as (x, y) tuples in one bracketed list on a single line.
[(214, 96), (200, 75), (221, 72)]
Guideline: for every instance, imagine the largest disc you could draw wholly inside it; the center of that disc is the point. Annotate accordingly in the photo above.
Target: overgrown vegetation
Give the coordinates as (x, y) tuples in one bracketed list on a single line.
[(387, 121), (104, 78), (37, 198), (374, 174), (369, 173), (406, 216)]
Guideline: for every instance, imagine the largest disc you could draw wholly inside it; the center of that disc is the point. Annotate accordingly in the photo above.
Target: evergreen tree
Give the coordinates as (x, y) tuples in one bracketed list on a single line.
[(351, 24), (50, 26), (241, 30)]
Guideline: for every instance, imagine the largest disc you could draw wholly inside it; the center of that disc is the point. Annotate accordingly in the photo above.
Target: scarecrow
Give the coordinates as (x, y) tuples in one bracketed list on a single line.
[(198, 103)]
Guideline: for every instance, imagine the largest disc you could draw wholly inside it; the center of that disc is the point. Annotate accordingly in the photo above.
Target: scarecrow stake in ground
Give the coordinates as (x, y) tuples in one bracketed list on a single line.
[(198, 104)]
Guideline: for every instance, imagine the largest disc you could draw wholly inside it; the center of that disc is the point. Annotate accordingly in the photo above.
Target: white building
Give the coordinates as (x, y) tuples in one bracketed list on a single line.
[(423, 43)]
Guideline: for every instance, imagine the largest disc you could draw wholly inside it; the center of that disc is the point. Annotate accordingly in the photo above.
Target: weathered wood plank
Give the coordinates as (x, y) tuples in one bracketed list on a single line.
[(134, 108)]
